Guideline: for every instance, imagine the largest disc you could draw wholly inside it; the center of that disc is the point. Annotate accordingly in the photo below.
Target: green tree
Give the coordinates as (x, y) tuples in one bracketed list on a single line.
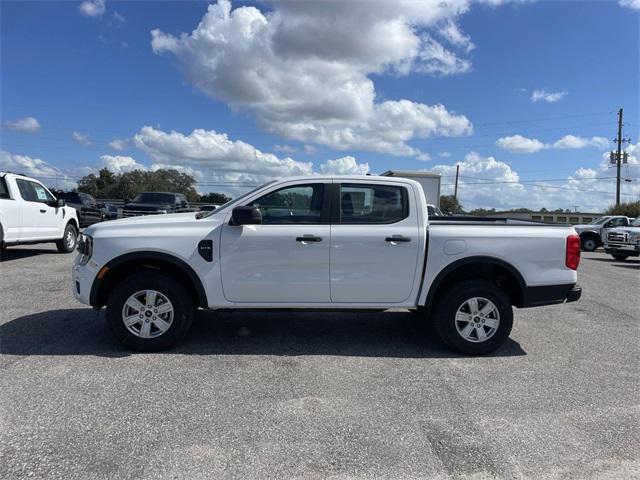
[(630, 209), (214, 197), (482, 212), (450, 204), (127, 185)]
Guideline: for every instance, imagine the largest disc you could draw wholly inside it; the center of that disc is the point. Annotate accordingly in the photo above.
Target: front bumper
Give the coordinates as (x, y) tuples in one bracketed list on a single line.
[(550, 295), (622, 248), (82, 277)]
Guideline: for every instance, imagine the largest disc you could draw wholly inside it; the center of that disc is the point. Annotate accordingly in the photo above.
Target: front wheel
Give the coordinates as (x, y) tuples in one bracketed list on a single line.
[(619, 256), (67, 243), (474, 318), (589, 244), (149, 312)]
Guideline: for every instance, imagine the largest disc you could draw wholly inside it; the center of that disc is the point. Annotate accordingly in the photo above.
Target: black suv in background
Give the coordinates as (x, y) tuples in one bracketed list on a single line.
[(152, 203), (89, 211)]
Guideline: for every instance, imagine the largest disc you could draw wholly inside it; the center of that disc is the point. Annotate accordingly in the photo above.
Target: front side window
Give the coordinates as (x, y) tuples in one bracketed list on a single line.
[(299, 204), (616, 222), (4, 191), (373, 204), (33, 192)]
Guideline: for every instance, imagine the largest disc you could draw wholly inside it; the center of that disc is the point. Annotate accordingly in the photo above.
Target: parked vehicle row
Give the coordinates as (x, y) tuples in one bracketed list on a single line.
[(153, 203), (88, 209), (30, 213), (624, 242), (325, 242), (592, 235)]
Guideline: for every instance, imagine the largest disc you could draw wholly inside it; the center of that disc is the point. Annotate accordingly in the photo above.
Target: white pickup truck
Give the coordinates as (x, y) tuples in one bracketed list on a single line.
[(30, 213), (324, 242)]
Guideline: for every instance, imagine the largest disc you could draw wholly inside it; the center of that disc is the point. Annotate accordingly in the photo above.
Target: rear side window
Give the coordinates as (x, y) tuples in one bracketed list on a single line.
[(33, 192), (301, 204), (372, 204), (4, 191)]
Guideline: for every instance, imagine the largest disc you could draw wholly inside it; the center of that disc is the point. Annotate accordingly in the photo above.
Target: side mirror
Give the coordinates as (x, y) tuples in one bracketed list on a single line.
[(60, 203), (126, 200), (246, 216)]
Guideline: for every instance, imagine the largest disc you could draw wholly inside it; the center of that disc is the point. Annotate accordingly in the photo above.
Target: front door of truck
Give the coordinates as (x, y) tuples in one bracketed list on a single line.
[(40, 220), (374, 244), (286, 258)]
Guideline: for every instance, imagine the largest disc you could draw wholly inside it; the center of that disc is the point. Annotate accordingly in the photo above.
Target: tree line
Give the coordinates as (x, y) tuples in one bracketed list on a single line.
[(107, 184), (450, 204)]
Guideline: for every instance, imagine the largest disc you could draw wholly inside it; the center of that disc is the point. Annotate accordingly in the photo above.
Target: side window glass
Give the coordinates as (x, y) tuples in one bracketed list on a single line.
[(26, 190), (372, 204), (42, 195), (300, 204), (4, 191)]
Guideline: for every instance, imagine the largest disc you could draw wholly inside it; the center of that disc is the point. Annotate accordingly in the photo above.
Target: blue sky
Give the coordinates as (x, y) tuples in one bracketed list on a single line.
[(274, 89)]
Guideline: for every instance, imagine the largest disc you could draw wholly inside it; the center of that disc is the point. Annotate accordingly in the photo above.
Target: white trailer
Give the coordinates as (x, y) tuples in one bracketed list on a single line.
[(430, 183)]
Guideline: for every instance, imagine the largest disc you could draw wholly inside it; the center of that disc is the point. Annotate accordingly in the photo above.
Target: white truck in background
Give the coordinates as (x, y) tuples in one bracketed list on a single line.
[(430, 183), (30, 213), (324, 242)]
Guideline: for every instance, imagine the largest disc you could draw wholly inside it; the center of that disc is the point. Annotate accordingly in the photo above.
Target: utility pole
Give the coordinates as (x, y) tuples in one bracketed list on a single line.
[(619, 157), (455, 191)]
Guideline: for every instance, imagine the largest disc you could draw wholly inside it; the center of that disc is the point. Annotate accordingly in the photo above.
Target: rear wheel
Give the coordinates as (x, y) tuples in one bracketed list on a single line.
[(67, 243), (619, 256), (149, 312), (474, 317), (589, 243)]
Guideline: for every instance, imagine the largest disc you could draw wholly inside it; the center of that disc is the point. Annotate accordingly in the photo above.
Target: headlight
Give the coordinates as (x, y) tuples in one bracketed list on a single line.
[(634, 238), (85, 248)]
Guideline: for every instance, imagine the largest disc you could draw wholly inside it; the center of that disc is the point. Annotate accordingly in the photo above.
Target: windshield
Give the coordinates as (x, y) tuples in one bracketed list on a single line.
[(636, 222), (154, 197), (434, 211), (233, 202), (599, 220)]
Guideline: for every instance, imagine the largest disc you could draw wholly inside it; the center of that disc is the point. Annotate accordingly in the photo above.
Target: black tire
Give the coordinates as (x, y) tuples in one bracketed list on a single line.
[(619, 256), (445, 317), (67, 243), (182, 311), (589, 243)]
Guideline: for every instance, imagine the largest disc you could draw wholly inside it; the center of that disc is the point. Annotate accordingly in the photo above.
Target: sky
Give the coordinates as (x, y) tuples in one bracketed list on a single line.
[(522, 95)]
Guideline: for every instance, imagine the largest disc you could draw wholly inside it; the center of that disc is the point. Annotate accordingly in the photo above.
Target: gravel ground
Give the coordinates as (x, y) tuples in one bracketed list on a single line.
[(317, 395)]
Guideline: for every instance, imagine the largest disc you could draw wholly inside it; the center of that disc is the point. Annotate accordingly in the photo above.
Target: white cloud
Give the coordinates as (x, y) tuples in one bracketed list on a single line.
[(486, 182), (520, 144), (82, 138), (93, 8), (444, 154), (119, 144), (26, 124), (51, 176), (344, 166), (573, 142), (549, 97), (634, 4), (121, 164), (117, 19), (309, 150), (217, 156), (288, 149), (302, 69)]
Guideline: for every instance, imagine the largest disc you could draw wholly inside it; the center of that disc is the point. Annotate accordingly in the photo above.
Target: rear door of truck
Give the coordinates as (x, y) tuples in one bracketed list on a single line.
[(375, 243)]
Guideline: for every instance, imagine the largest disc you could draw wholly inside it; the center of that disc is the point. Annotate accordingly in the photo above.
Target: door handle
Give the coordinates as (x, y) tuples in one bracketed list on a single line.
[(308, 238), (43, 211), (397, 238)]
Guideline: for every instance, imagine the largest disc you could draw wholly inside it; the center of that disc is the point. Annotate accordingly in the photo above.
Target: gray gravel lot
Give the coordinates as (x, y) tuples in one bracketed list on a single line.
[(317, 395)]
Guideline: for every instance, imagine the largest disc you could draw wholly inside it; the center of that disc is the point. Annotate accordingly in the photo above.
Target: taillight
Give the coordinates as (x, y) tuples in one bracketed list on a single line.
[(572, 259)]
